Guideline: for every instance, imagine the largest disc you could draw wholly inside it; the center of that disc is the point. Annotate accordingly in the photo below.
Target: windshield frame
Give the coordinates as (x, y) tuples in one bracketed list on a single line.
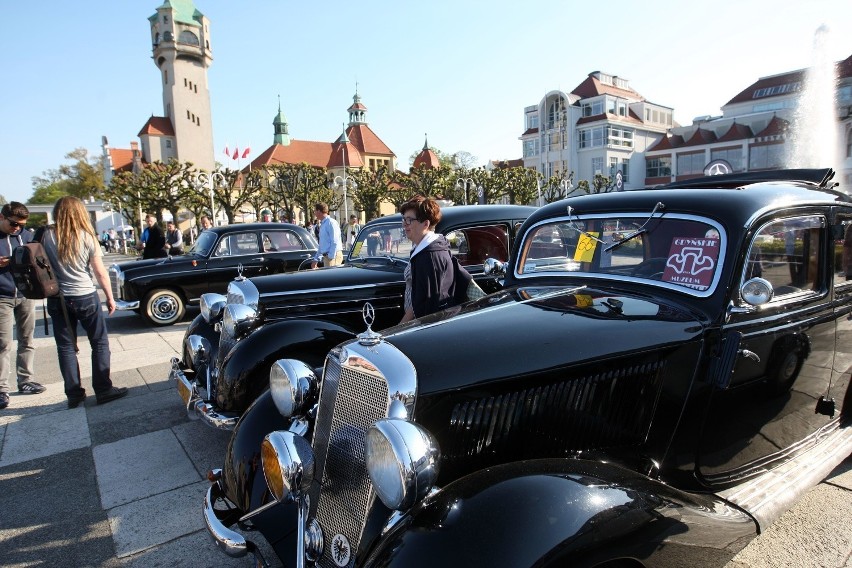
[(638, 216), (361, 243), (197, 249)]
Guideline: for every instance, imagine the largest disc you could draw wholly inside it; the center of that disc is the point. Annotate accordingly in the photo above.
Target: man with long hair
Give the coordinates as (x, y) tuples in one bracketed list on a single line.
[(15, 310), (71, 245)]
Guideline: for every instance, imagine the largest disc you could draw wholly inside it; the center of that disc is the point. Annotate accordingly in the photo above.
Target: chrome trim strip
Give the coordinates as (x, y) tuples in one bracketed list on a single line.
[(230, 542), (767, 496), (314, 290), (123, 305)]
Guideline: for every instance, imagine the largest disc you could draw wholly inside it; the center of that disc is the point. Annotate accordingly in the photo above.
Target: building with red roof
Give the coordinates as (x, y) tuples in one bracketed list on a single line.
[(597, 128), (756, 131)]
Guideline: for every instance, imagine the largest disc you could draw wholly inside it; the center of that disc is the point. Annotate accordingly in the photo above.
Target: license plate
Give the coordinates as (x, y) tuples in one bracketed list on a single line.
[(184, 392)]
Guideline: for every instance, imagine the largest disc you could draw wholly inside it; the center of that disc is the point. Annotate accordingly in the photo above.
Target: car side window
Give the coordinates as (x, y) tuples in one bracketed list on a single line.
[(277, 241), (842, 237), (786, 253), (472, 245), (238, 244)]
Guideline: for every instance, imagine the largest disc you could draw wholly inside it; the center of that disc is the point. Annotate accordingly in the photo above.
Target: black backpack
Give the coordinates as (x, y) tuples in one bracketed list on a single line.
[(30, 267)]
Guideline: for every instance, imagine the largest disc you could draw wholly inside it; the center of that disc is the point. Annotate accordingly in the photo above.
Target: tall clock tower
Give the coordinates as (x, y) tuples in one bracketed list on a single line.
[(181, 51)]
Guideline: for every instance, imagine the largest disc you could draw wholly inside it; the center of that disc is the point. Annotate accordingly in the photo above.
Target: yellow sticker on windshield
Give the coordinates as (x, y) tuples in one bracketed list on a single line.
[(586, 247), (584, 300), (356, 250)]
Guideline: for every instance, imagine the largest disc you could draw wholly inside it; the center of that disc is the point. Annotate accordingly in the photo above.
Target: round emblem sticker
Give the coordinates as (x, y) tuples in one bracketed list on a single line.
[(340, 550)]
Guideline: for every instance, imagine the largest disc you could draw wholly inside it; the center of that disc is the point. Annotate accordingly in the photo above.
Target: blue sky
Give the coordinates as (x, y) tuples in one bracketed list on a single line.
[(460, 71)]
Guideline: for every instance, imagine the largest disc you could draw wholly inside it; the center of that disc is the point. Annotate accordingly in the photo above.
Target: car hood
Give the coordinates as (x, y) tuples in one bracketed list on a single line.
[(176, 261), (309, 281), (526, 331)]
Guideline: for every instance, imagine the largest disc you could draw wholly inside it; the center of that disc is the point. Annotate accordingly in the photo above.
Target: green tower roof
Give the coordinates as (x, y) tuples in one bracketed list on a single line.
[(184, 12)]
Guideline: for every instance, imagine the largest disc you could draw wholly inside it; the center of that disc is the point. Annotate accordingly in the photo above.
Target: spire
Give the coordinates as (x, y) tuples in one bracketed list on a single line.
[(425, 141), (357, 111), (344, 139), (282, 135)]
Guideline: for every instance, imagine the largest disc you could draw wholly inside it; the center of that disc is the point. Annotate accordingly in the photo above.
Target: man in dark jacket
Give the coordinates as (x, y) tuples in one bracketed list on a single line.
[(15, 310), (155, 246)]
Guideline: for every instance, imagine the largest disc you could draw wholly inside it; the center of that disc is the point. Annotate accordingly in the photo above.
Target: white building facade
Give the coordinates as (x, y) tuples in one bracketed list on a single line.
[(598, 128)]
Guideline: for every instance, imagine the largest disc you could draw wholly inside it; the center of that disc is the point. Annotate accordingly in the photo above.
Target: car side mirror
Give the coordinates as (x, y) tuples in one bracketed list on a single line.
[(494, 267)]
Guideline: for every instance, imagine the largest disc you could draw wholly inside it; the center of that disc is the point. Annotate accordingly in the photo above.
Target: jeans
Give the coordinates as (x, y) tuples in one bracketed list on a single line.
[(87, 311), (18, 313)]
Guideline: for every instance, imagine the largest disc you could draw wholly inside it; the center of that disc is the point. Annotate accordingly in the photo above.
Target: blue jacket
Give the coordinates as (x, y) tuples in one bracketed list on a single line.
[(8, 243)]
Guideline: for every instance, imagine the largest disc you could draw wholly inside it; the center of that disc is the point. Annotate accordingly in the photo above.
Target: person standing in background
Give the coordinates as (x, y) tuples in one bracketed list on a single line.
[(75, 255), (350, 231), (205, 223), (16, 311), (330, 251), (174, 239), (155, 244)]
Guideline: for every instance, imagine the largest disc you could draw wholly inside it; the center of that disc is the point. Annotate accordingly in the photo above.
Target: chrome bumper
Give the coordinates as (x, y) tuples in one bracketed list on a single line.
[(122, 305), (195, 405), (230, 542)]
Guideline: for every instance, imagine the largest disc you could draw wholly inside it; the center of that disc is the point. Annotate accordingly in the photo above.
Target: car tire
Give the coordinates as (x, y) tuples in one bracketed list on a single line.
[(163, 307)]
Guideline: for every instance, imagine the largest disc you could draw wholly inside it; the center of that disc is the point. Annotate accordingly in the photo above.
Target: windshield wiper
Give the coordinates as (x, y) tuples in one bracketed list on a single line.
[(658, 207)]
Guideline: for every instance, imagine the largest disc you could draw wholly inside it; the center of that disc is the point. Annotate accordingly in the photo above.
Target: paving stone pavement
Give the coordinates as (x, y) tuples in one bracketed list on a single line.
[(121, 485)]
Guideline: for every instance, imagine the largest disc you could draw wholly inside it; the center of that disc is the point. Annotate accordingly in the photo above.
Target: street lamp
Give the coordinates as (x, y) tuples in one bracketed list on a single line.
[(345, 183), (465, 184), (202, 180)]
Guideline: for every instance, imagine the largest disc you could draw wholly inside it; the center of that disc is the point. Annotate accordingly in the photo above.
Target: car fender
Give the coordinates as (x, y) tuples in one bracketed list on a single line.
[(242, 476), (199, 326), (564, 512), (245, 370)]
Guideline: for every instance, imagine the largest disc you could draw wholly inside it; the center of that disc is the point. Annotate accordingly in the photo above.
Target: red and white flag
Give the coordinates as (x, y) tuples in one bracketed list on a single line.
[(227, 153), (236, 154), (246, 152)]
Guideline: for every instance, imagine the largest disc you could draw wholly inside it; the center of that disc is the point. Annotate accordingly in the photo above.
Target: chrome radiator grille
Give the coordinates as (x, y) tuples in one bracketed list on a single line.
[(350, 402), (612, 408), (113, 284)]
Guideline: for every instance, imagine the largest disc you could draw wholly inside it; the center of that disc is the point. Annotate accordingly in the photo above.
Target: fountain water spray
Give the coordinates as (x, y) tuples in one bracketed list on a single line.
[(814, 128)]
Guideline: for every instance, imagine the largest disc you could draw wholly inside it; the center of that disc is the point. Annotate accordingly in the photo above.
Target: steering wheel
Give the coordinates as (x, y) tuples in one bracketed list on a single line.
[(650, 268)]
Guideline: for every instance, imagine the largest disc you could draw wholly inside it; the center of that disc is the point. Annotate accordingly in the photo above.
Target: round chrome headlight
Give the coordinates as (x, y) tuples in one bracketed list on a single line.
[(288, 464), (402, 460), (292, 384), (238, 319), (212, 306), (757, 291)]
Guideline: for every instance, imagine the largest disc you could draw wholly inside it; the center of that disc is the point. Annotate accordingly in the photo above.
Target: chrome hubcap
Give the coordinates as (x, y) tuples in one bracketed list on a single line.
[(164, 308)]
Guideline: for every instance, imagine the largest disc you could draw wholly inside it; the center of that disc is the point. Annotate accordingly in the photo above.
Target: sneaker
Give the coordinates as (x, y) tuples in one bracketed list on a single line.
[(4, 400), (112, 394), (31, 387)]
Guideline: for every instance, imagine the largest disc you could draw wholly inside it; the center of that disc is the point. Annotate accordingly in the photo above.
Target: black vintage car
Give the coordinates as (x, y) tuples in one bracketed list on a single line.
[(665, 372), (230, 347), (161, 288)]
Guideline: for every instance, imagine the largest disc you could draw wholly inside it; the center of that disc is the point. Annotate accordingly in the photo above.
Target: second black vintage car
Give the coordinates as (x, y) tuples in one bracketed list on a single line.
[(664, 373), (160, 289), (230, 347)]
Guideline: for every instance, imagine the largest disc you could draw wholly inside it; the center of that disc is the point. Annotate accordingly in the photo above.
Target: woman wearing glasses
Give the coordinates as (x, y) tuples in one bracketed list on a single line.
[(431, 276)]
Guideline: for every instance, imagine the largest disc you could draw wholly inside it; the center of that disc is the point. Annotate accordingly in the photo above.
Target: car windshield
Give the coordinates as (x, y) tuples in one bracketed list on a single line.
[(680, 251), (203, 244), (381, 240)]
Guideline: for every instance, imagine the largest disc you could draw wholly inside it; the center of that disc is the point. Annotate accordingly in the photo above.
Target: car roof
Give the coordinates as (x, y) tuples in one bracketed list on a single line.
[(255, 227), (734, 202), (456, 214)]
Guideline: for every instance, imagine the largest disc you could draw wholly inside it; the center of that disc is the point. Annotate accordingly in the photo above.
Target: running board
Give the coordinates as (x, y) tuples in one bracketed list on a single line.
[(769, 495)]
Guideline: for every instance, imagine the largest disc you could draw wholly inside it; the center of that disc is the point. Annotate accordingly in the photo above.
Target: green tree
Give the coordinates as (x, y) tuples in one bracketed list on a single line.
[(157, 187), (82, 178), (261, 197), (602, 184), (371, 189), (436, 183), (520, 184), (557, 187), (232, 189)]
